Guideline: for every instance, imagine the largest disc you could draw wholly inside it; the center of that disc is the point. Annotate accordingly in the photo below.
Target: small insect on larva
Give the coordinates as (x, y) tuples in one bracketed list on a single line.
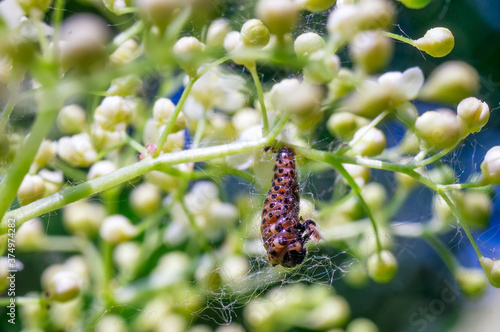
[(283, 232)]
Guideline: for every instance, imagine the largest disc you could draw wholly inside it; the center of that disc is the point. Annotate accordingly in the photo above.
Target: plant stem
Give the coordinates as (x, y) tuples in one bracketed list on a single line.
[(441, 250), (260, 95), (400, 38)]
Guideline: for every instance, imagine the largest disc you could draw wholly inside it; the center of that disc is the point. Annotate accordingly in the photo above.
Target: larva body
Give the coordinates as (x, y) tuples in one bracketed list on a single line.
[(283, 232)]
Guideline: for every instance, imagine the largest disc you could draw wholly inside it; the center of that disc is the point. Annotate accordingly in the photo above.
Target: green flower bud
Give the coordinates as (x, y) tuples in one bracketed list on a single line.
[(111, 323), (77, 219), (405, 181), (217, 32), (125, 53), (442, 175), (126, 256), (410, 144), (357, 276), (254, 33), (77, 150), (31, 189), (438, 129), (442, 211), (476, 208), (30, 235), (472, 282), (360, 174), (371, 50), (315, 5), (415, 4), (450, 83), (490, 166), (308, 43), (436, 42), (160, 12), (125, 86), (145, 199), (189, 53), (342, 84), (375, 196), (382, 266), (117, 6), (116, 229), (334, 312), (473, 114), (295, 97), (29, 5), (368, 142), (321, 67), (345, 124), (407, 113), (361, 325), (491, 269), (278, 15), (233, 269), (72, 119), (64, 286), (46, 153)]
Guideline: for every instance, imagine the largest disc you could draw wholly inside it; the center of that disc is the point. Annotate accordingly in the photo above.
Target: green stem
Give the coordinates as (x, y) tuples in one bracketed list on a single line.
[(400, 38), (200, 128), (21, 300), (441, 250), (135, 145), (260, 95), (7, 111), (50, 105)]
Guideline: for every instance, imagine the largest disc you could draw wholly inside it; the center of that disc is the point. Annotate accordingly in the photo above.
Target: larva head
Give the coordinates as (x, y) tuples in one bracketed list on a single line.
[(294, 256)]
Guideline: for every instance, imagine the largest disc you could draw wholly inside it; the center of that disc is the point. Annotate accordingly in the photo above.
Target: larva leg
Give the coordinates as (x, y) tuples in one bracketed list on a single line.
[(312, 231)]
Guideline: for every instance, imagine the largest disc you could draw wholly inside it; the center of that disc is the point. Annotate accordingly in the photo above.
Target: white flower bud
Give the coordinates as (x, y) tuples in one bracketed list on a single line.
[(145, 199), (375, 196), (308, 43), (78, 220), (171, 267), (473, 114), (490, 166), (436, 42), (31, 189), (72, 119), (450, 83), (361, 325), (83, 41), (333, 312), (476, 208), (33, 5), (163, 109), (64, 286), (439, 129), (77, 150), (46, 152), (124, 86), (114, 113), (345, 124), (126, 255), (232, 40), (321, 67), (382, 266), (360, 174), (30, 235), (125, 53), (245, 118), (217, 32), (278, 15), (101, 168), (165, 181), (111, 323), (233, 269), (371, 50), (295, 97), (254, 33), (491, 269), (368, 142), (160, 12), (315, 5), (189, 53), (222, 214), (472, 282), (116, 229)]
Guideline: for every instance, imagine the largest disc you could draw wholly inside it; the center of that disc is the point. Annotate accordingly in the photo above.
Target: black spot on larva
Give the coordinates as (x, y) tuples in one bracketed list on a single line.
[(271, 206)]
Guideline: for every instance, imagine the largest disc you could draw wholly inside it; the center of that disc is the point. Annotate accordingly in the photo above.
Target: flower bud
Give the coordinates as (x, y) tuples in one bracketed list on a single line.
[(232, 40), (415, 4), (254, 33), (345, 124), (125, 53), (360, 174), (308, 43), (116, 229), (217, 32), (356, 277), (490, 166), (29, 5), (491, 269), (31, 189), (72, 119), (368, 142), (473, 114), (476, 208), (233, 269), (163, 109), (321, 67), (160, 12), (189, 53), (407, 113), (30, 235), (111, 323), (315, 5), (126, 255), (245, 118), (77, 150), (46, 153), (405, 181), (436, 42), (333, 312), (64, 286), (382, 266), (101, 168), (165, 181), (442, 210), (371, 50), (361, 325), (171, 267), (439, 129), (114, 113), (278, 15), (410, 144), (145, 199), (374, 195), (472, 282), (77, 219), (295, 97), (124, 86), (450, 83)]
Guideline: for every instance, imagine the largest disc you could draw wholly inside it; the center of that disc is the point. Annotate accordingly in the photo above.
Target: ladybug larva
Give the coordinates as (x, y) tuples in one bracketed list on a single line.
[(283, 232)]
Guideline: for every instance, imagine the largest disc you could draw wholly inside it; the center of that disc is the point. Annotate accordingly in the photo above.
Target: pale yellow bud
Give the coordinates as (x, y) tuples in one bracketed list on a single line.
[(333, 312), (125, 86), (189, 53), (101, 168), (115, 113), (415, 4), (33, 5), (125, 53), (405, 181), (436, 42), (78, 220), (476, 208), (160, 12), (361, 325), (473, 114), (145, 199), (30, 235), (321, 67), (163, 109), (382, 266), (217, 32), (491, 269), (368, 142), (126, 255), (72, 119), (111, 323), (472, 282), (345, 124), (308, 43), (245, 118), (371, 50), (315, 5), (254, 33), (410, 144), (232, 40), (360, 174), (233, 269), (439, 129), (292, 96), (64, 286), (278, 15), (77, 150), (450, 83), (374, 195), (46, 153), (31, 189), (116, 229), (490, 166), (117, 6)]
